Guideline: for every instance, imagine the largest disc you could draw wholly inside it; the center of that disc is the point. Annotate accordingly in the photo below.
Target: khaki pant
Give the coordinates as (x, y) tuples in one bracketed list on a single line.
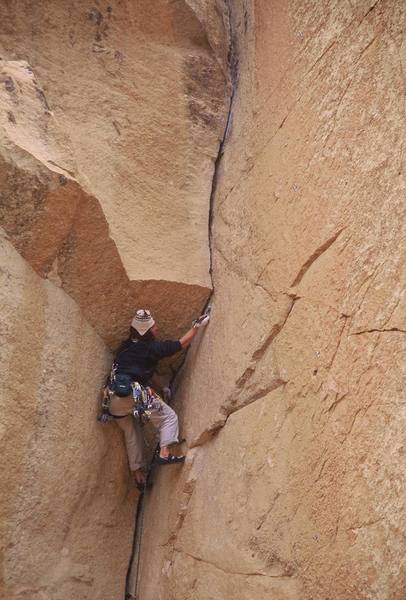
[(162, 417)]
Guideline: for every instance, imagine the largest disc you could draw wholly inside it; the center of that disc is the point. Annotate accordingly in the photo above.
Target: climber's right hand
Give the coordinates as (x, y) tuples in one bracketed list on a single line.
[(201, 321)]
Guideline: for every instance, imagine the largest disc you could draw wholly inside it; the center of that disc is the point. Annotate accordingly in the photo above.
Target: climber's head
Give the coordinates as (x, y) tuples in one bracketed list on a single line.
[(143, 323)]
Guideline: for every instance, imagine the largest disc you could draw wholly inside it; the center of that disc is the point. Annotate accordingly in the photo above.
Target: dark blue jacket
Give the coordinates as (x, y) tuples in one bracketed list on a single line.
[(139, 358)]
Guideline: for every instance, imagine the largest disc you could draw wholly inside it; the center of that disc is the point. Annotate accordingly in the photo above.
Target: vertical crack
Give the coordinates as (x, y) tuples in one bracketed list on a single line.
[(131, 591), (233, 76)]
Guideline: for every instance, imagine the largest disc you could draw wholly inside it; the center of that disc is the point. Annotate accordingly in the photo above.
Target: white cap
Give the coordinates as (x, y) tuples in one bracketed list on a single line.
[(142, 321)]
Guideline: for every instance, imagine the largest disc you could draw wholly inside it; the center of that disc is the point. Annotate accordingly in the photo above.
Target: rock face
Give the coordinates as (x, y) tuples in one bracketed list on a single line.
[(111, 115), (293, 401), (66, 503)]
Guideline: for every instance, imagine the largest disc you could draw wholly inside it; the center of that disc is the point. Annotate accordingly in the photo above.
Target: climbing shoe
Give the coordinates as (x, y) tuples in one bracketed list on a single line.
[(169, 460)]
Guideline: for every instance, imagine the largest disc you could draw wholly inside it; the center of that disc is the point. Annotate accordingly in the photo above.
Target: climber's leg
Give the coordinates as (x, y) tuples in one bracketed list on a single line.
[(166, 421), (135, 448)]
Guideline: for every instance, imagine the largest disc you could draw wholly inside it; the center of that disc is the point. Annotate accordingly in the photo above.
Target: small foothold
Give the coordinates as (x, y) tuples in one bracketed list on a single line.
[(63, 180), (11, 117)]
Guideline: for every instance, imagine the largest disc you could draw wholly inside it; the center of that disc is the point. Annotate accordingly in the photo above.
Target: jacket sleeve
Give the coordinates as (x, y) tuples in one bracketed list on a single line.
[(164, 348)]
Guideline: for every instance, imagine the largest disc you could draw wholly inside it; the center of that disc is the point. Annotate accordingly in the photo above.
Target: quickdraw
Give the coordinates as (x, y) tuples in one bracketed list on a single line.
[(105, 415), (145, 400)]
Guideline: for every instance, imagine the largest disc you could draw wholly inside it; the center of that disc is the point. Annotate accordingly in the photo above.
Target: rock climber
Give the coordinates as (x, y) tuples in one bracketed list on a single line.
[(138, 357)]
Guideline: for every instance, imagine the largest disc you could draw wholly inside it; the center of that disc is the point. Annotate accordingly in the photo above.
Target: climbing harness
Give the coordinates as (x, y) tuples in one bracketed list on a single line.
[(145, 398)]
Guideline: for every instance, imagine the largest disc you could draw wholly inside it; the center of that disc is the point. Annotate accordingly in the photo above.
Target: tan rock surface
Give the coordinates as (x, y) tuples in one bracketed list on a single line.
[(66, 505), (111, 115), (292, 400), (127, 103), (300, 494)]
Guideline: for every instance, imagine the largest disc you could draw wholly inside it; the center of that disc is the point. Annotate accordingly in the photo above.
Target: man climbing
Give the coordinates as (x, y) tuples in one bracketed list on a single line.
[(136, 361)]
